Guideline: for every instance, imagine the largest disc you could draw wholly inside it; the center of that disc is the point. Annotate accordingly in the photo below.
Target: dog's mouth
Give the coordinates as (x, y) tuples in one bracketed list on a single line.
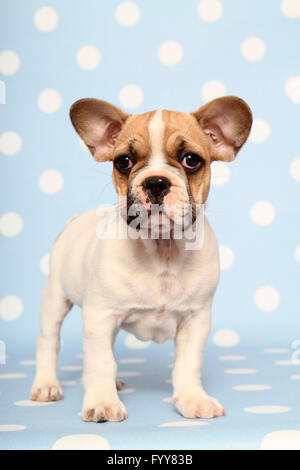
[(154, 214), (158, 216), (159, 202)]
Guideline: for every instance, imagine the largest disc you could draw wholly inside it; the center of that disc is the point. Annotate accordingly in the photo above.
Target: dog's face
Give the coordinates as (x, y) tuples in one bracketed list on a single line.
[(163, 158)]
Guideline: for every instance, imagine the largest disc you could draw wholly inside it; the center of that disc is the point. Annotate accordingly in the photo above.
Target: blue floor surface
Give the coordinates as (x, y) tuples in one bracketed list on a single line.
[(258, 387)]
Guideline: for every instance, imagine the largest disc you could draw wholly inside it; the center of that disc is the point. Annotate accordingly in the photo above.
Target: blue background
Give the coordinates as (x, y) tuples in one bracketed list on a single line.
[(263, 255)]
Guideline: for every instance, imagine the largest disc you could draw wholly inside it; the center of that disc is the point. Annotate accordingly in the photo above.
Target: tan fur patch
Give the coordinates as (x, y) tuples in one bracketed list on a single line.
[(134, 138), (215, 131), (181, 131)]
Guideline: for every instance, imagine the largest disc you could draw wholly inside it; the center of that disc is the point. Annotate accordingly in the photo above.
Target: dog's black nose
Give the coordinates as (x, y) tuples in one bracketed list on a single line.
[(157, 186)]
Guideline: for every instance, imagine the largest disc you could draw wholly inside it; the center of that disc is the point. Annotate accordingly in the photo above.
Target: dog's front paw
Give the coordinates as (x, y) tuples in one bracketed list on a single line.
[(97, 408), (46, 391), (198, 406)]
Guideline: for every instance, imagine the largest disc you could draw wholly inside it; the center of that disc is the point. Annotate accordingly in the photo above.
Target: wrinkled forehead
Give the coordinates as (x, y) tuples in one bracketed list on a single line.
[(161, 131)]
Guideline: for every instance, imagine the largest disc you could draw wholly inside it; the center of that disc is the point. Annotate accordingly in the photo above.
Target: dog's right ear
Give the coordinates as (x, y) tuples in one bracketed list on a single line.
[(98, 123)]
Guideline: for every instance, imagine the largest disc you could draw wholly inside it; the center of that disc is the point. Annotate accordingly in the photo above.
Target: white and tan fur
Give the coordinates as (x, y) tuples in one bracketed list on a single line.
[(155, 289)]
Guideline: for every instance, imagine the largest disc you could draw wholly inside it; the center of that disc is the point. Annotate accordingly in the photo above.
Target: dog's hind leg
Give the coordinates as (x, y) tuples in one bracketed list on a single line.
[(55, 307)]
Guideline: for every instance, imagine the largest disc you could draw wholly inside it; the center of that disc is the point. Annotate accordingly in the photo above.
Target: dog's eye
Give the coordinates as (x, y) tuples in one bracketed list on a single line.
[(123, 163), (191, 162)]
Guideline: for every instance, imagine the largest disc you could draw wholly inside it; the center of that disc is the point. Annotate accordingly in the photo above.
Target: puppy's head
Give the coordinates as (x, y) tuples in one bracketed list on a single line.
[(162, 158)]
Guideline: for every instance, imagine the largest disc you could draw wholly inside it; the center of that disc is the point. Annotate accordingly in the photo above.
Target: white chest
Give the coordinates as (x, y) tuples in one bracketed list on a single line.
[(158, 299), (156, 325)]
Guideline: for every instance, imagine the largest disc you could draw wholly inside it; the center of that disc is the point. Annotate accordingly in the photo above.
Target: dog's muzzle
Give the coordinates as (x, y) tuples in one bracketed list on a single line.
[(156, 188), (160, 200)]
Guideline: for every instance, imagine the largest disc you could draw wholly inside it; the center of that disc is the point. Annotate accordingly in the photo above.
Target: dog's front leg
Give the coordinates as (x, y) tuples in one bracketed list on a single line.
[(189, 396), (101, 402)]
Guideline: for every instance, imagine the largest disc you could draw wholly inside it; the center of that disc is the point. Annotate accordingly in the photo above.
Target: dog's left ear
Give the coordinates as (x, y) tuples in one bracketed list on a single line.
[(227, 122), (98, 123)]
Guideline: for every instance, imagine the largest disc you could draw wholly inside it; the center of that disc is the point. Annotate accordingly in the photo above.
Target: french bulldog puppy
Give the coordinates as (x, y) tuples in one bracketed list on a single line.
[(153, 287)]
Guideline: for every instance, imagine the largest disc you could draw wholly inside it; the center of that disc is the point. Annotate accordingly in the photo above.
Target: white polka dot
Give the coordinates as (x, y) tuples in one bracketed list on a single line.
[(31, 362), (267, 409), (51, 181), (232, 358), (33, 403), (131, 96), (297, 253), (168, 381), (171, 353), (127, 14), (262, 213), (226, 338), (11, 224), (213, 89), (132, 360), (133, 343), (226, 257), (276, 350), (12, 427), (11, 376), (182, 424), (71, 368), (260, 131), (45, 19), (67, 383), (253, 49), (295, 377), (126, 390), (49, 101), (44, 264), (128, 374), (9, 62), (281, 440), (240, 371), (267, 298), (210, 10), (292, 89), (251, 388), (79, 356), (81, 442), (168, 400), (11, 307), (10, 143), (88, 57), (170, 53), (220, 173), (295, 169), (288, 362), (291, 8)]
